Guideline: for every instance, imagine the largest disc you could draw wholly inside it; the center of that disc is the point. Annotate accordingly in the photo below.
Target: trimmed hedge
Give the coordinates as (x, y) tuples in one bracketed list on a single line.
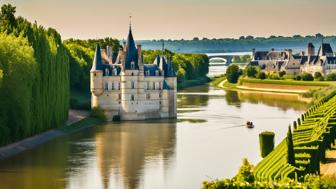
[(266, 142)]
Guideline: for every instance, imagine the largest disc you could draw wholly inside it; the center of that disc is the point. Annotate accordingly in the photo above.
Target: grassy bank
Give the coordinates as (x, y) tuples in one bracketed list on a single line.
[(82, 124), (267, 85), (286, 82)]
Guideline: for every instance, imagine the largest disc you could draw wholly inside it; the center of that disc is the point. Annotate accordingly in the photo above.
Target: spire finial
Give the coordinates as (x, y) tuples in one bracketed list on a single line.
[(130, 21)]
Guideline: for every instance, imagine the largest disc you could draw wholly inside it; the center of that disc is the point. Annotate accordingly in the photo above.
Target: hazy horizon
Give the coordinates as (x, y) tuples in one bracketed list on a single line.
[(177, 19)]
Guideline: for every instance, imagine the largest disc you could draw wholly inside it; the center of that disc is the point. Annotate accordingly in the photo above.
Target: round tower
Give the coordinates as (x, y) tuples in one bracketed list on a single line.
[(96, 78)]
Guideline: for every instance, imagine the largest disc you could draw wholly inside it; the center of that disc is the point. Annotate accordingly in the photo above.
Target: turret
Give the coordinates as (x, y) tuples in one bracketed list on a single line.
[(310, 51), (96, 74)]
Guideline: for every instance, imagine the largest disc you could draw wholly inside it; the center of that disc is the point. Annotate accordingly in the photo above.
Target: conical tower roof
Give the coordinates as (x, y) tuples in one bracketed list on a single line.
[(97, 61), (131, 52)]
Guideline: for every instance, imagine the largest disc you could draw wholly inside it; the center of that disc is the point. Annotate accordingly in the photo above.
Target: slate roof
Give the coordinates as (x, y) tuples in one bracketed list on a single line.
[(131, 52), (324, 49), (260, 55), (97, 60), (151, 68)]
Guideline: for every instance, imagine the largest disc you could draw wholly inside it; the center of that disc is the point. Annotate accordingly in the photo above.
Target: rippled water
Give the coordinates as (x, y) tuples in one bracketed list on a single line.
[(207, 141)]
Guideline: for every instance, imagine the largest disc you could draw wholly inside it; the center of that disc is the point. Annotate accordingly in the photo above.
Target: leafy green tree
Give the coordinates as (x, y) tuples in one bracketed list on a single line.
[(290, 148), (261, 75), (233, 73), (250, 71), (7, 16)]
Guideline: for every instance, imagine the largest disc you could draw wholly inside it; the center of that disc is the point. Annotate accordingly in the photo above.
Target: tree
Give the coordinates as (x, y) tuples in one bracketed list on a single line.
[(290, 148), (331, 77), (245, 173), (250, 71), (261, 75), (8, 14), (233, 73)]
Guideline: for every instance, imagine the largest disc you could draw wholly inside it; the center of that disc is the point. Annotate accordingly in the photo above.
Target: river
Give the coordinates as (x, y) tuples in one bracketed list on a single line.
[(207, 141)]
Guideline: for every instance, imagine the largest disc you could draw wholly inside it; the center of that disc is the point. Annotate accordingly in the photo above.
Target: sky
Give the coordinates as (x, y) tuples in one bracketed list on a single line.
[(177, 19)]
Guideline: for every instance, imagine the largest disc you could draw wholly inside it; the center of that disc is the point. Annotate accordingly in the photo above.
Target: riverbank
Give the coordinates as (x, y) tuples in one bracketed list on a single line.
[(275, 86), (77, 120)]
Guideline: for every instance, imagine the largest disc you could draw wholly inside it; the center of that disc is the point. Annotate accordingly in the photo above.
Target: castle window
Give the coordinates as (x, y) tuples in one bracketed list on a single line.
[(157, 72), (95, 74), (106, 72), (147, 85), (118, 86), (106, 86), (153, 85), (119, 96), (132, 65), (148, 96), (132, 73), (147, 73), (132, 84), (132, 97), (115, 71), (112, 85)]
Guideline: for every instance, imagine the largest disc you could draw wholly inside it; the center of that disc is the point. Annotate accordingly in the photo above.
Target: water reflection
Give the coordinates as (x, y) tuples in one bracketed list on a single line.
[(123, 151), (280, 100), (208, 140)]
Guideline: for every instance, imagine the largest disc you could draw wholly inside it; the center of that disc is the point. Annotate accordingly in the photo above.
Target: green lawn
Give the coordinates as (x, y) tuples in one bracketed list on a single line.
[(287, 82)]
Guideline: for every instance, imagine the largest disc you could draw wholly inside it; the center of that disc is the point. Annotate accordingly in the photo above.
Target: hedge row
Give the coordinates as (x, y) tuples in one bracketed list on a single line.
[(314, 133)]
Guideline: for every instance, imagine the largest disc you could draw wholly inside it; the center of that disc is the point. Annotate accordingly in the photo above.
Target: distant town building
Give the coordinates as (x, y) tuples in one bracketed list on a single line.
[(274, 61), (122, 85)]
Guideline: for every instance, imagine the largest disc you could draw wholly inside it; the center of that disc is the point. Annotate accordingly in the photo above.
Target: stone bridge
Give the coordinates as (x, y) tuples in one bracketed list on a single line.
[(227, 57)]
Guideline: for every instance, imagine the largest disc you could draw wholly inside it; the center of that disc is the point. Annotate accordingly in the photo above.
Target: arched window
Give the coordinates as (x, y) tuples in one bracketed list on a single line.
[(132, 84), (132, 97)]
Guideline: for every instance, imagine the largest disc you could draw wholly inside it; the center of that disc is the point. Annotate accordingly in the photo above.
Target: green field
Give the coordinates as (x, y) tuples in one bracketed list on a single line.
[(287, 82)]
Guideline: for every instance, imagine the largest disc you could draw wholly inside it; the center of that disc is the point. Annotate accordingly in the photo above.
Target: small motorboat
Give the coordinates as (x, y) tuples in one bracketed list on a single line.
[(249, 124)]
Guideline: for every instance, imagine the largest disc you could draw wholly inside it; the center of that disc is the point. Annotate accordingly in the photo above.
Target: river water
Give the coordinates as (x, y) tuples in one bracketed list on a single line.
[(207, 141)]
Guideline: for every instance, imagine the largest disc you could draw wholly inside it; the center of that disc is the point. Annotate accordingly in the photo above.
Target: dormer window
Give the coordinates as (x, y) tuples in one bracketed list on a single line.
[(115, 71), (132, 65), (107, 72), (157, 72), (147, 73)]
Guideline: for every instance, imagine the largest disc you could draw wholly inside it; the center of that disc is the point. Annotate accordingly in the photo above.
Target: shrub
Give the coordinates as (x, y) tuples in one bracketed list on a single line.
[(250, 71), (307, 77), (331, 77), (266, 142), (261, 75), (282, 73), (274, 76), (232, 73), (116, 118), (317, 75), (298, 78), (98, 113), (245, 173)]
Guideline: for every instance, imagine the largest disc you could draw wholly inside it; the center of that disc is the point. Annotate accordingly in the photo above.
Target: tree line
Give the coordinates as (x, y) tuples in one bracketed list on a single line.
[(34, 78)]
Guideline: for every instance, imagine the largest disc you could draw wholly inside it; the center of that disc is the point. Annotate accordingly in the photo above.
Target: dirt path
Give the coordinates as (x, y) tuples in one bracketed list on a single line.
[(32, 142), (329, 169), (76, 115)]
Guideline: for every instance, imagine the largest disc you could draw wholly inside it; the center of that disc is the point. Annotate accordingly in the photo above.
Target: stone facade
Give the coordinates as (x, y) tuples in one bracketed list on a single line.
[(123, 85), (306, 62)]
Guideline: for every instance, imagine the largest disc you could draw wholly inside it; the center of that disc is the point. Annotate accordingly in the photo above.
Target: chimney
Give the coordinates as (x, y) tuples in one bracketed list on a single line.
[(139, 53)]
